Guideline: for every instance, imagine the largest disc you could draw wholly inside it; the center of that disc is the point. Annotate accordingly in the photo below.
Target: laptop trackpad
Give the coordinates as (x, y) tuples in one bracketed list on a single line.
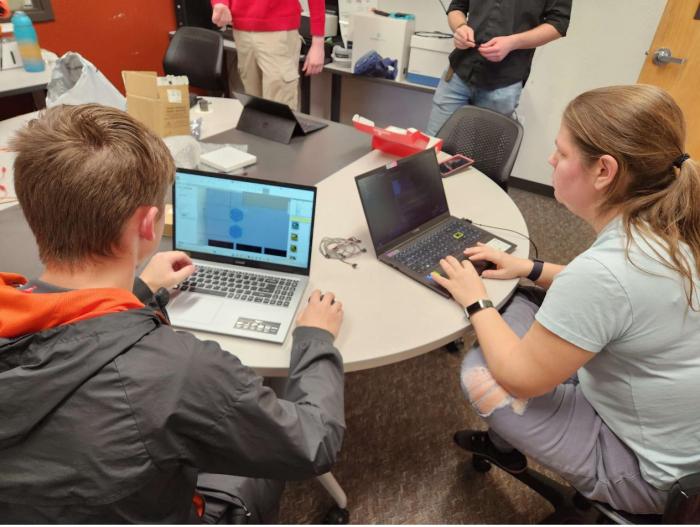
[(198, 309)]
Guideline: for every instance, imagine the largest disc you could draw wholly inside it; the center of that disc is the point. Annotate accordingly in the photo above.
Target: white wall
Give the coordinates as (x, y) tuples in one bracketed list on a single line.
[(429, 15), (605, 45)]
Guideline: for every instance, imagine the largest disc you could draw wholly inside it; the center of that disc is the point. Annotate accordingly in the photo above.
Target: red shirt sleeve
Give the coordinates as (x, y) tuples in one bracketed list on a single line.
[(317, 13), (227, 3)]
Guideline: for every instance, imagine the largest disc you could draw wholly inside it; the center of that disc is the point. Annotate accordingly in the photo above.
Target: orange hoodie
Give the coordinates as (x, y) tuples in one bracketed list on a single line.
[(24, 312)]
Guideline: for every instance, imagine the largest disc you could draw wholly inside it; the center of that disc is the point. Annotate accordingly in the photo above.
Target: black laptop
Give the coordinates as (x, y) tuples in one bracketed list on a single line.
[(409, 222), (273, 120)]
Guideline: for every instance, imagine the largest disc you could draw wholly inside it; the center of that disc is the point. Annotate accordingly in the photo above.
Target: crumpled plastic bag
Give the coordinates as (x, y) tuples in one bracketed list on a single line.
[(75, 80), (371, 64)]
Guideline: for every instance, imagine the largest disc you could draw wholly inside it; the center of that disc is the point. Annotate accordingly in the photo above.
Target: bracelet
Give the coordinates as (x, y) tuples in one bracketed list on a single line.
[(537, 266)]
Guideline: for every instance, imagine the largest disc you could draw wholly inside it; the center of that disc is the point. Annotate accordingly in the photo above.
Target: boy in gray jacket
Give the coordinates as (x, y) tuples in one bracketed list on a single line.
[(108, 415)]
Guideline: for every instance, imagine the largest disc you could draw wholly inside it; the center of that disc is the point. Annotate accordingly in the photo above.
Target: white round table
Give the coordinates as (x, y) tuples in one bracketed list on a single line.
[(388, 316)]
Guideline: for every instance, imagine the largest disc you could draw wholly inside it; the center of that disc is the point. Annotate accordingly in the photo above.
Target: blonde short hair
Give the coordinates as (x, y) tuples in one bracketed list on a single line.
[(80, 173)]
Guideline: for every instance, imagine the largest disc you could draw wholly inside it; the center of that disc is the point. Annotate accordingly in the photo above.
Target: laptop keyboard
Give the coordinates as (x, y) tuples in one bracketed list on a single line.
[(249, 287), (452, 238)]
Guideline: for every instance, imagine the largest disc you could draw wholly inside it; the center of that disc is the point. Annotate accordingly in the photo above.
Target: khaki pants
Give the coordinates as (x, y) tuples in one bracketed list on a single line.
[(268, 63)]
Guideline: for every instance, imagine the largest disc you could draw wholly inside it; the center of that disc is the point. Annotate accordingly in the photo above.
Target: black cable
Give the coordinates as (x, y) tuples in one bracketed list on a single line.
[(509, 230), (433, 34), (341, 249), (443, 6)]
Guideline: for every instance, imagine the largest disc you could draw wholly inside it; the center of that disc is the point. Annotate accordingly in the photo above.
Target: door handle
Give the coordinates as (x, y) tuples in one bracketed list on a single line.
[(663, 56)]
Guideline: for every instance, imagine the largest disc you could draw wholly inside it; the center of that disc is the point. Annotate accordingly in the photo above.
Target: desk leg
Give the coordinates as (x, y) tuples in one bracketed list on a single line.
[(39, 97), (305, 82), (225, 86), (336, 85), (334, 489), (338, 514)]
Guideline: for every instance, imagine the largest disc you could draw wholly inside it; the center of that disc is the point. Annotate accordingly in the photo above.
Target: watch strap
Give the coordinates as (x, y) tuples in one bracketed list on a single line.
[(537, 266), (477, 306)]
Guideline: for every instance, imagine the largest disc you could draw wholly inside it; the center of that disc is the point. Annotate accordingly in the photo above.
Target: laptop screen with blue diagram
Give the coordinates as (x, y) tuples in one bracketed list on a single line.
[(243, 219)]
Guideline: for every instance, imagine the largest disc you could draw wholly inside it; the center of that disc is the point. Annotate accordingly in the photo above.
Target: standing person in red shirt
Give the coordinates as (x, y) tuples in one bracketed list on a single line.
[(268, 44)]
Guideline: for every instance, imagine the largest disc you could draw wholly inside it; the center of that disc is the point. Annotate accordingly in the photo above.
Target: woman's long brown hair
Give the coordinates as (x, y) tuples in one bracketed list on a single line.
[(643, 128)]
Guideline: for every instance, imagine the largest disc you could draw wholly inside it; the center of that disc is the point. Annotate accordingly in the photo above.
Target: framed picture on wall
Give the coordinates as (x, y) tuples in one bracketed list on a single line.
[(38, 10)]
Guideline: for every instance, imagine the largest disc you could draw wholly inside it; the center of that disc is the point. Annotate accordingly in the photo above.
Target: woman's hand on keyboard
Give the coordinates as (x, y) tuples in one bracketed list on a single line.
[(167, 269), (461, 280), (507, 265), (323, 311)]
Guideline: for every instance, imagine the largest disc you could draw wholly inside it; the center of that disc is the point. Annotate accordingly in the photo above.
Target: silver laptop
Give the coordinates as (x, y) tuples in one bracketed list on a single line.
[(251, 242)]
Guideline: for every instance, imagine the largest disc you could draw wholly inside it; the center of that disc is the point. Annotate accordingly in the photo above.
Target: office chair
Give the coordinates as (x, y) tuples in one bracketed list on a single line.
[(491, 139), (488, 137), (682, 507), (199, 54)]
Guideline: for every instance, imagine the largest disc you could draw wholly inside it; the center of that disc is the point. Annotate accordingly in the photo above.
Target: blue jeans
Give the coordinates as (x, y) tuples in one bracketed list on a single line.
[(452, 95)]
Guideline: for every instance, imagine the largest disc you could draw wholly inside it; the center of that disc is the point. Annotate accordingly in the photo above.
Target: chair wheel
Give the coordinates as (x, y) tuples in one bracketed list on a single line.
[(455, 346), (480, 464), (580, 502), (337, 516)]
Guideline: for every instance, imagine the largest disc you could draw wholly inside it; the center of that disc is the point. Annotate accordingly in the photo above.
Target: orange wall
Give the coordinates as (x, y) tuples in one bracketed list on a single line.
[(112, 34)]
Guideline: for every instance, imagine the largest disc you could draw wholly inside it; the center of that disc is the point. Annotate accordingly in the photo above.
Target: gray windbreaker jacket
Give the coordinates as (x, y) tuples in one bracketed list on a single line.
[(110, 419)]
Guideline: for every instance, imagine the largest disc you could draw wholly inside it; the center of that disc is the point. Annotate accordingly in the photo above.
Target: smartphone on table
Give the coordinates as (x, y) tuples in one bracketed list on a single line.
[(454, 164)]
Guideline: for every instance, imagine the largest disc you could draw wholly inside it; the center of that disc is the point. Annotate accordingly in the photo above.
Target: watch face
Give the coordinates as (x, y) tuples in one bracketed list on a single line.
[(477, 306)]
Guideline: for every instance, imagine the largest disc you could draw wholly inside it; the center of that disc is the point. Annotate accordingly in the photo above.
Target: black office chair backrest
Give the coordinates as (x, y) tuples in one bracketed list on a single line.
[(490, 138), (199, 54), (683, 505)]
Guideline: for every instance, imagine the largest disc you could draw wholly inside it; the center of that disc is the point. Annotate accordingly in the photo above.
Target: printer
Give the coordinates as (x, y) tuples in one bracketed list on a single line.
[(430, 54), (331, 24)]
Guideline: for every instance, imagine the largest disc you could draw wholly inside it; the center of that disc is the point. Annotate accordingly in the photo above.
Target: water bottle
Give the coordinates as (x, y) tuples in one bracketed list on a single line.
[(27, 41)]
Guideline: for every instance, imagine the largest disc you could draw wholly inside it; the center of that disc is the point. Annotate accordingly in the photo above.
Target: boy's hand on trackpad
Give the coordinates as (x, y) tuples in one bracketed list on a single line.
[(323, 311)]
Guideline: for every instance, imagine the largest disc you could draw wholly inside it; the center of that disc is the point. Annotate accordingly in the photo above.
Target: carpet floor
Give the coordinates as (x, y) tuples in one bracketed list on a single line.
[(399, 464)]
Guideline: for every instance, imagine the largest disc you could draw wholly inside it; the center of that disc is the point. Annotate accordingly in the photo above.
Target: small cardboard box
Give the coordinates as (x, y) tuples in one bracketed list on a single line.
[(161, 103)]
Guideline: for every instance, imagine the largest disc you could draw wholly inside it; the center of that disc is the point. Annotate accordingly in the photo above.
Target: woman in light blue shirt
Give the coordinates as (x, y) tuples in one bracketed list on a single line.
[(598, 379)]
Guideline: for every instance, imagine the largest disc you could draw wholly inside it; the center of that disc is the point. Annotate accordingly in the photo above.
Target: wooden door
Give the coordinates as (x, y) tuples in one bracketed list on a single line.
[(679, 31)]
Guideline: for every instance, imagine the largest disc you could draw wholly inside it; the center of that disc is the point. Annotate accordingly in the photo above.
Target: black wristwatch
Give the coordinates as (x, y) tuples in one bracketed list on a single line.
[(477, 306), (537, 266)]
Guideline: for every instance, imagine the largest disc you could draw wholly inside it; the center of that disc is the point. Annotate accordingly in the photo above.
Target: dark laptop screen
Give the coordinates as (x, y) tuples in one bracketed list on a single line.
[(402, 196)]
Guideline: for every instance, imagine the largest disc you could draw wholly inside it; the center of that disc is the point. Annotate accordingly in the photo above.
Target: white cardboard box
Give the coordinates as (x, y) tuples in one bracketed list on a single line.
[(429, 59), (228, 158), (390, 37)]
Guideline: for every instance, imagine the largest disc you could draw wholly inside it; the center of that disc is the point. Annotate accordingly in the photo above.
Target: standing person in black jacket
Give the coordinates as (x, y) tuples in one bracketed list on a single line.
[(108, 414), (495, 41)]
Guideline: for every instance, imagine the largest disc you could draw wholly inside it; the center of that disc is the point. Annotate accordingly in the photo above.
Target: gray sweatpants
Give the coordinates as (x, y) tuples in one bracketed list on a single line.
[(562, 431)]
